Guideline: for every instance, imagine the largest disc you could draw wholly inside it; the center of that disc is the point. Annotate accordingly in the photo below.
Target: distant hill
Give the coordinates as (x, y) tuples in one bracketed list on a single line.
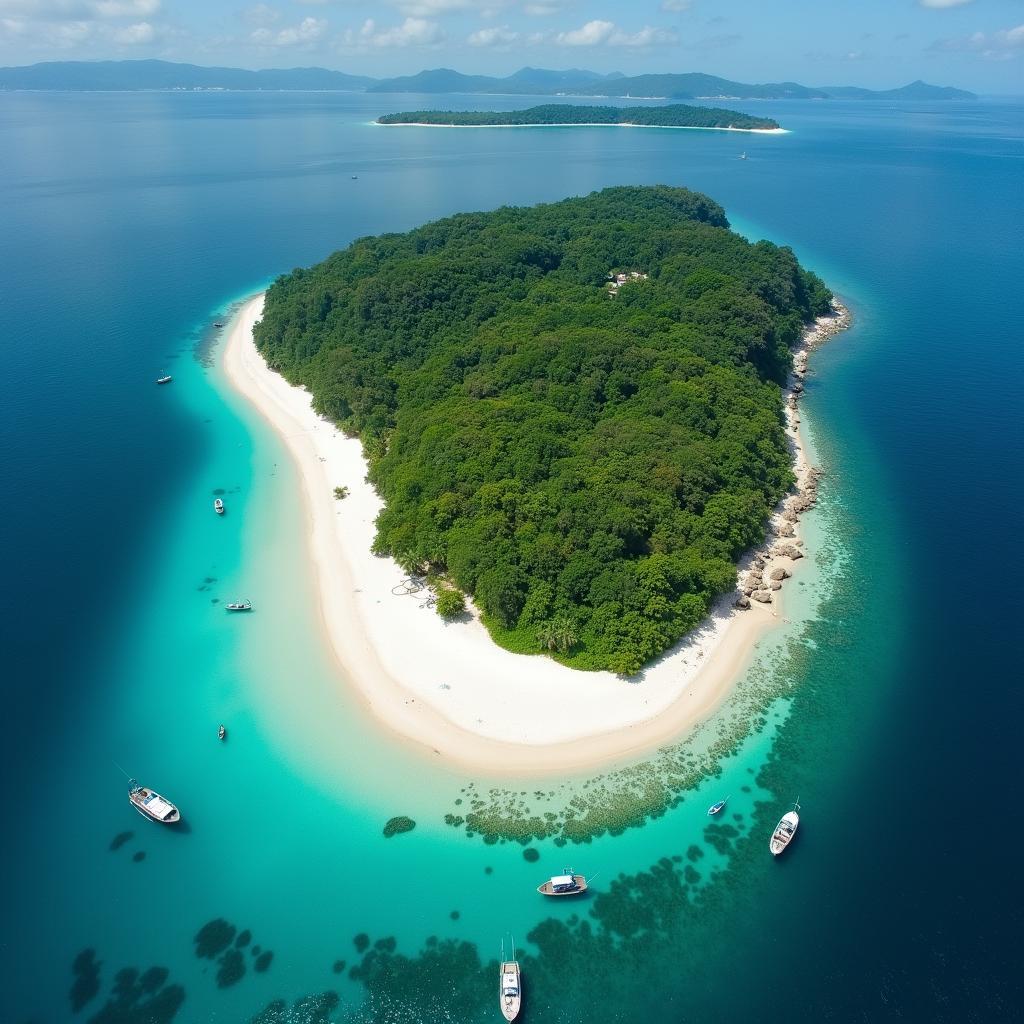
[(135, 75), (587, 83), (690, 86), (129, 75), (525, 82), (915, 91)]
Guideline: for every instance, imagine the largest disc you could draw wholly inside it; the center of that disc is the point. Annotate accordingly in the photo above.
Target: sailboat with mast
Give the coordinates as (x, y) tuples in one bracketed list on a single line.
[(510, 987)]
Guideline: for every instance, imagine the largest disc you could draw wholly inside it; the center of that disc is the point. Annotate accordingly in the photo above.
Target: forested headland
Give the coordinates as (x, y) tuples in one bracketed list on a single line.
[(587, 462), (675, 116)]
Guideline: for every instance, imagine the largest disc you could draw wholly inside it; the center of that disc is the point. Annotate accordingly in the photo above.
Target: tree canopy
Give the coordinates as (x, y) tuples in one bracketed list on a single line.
[(587, 462), (676, 115)]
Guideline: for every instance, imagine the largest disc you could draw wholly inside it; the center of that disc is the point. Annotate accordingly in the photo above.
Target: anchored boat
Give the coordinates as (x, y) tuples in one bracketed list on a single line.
[(150, 804), (218, 506), (719, 807), (222, 733), (239, 606), (510, 990), (785, 830), (164, 380), (563, 885)]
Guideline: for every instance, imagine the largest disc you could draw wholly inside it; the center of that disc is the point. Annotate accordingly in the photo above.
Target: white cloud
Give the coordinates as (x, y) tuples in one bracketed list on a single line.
[(497, 36), (126, 8), (412, 32), (262, 14), (647, 36), (432, 8), (78, 11), (593, 33), (305, 33), (135, 35), (941, 4), (676, 5), (607, 33), (95, 28), (1006, 44)]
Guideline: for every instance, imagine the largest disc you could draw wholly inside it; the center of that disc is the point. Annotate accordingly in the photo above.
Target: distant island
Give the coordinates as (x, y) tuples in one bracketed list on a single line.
[(160, 75), (574, 412), (675, 116)]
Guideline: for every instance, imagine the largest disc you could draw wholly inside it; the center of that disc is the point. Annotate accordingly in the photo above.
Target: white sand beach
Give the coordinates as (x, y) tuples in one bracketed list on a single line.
[(447, 686)]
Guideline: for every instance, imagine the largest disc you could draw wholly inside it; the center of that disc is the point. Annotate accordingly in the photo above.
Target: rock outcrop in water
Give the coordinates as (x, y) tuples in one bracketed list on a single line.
[(769, 567)]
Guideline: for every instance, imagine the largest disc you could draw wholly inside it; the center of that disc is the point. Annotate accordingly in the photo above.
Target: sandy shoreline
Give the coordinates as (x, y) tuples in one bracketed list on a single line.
[(447, 686), (587, 124)]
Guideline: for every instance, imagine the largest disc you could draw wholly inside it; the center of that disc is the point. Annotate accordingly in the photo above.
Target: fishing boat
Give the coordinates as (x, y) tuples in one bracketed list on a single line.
[(785, 830), (150, 804), (218, 506), (222, 733), (719, 807), (563, 885), (164, 380), (510, 990), (239, 606)]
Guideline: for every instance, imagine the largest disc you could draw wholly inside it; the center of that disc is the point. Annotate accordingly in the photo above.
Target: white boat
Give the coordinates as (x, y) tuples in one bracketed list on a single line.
[(239, 606), (164, 380), (218, 506), (150, 804), (510, 986), (785, 830), (563, 885), (717, 808)]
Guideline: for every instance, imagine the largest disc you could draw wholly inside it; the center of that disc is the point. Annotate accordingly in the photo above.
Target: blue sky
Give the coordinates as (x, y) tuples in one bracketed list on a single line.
[(976, 44)]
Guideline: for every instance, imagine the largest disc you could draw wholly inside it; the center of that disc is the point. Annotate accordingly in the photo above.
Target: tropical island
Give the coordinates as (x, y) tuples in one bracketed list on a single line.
[(573, 413), (677, 115)]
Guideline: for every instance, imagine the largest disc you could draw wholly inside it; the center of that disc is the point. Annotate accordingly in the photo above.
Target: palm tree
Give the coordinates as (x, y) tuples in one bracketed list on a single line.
[(558, 634), (565, 633)]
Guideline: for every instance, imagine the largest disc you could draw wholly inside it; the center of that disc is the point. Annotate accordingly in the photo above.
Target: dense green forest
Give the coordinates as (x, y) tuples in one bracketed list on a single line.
[(676, 116), (587, 463)]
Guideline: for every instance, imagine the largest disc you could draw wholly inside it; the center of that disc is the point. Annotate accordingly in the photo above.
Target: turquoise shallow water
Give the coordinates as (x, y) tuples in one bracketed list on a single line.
[(134, 222)]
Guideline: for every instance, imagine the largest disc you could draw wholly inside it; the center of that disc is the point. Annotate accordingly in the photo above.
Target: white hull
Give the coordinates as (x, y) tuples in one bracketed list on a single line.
[(510, 990), (784, 832)]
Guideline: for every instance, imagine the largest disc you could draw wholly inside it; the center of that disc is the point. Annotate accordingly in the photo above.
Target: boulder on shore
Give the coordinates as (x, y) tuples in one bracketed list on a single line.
[(761, 596), (780, 574), (743, 601)]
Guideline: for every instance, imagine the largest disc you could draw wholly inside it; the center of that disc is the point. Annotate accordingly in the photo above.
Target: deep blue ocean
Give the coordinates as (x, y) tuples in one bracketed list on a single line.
[(129, 224)]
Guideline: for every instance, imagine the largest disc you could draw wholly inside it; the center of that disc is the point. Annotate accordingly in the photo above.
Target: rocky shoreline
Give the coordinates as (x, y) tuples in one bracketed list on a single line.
[(766, 569)]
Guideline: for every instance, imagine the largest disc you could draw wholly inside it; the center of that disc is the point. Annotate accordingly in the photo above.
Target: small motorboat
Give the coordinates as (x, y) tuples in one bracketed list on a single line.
[(355, 177), (563, 885), (150, 804), (510, 991), (218, 323), (218, 506), (785, 830), (719, 807), (222, 733), (164, 380), (239, 606)]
